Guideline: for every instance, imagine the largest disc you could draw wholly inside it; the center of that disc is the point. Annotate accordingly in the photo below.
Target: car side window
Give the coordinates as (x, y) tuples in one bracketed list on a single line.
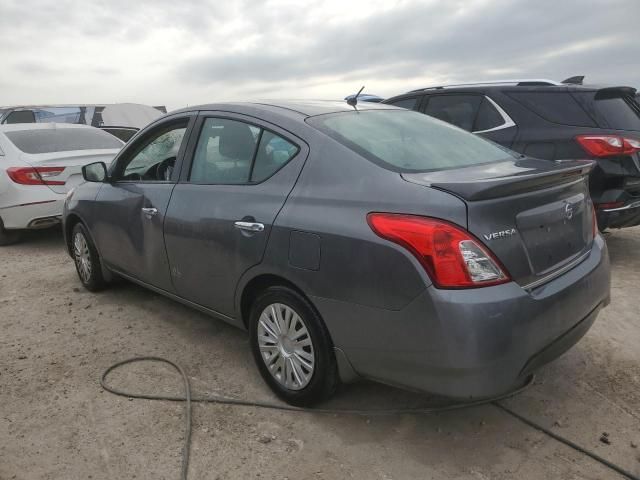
[(231, 152), (488, 117), (21, 116), (408, 103), (460, 110), (154, 158), (273, 153)]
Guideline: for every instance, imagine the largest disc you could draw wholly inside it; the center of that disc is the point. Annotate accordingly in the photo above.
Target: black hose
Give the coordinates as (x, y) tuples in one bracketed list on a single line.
[(189, 400)]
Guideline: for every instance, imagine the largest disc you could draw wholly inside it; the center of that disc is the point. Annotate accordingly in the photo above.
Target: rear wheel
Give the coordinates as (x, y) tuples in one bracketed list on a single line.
[(292, 348), (8, 237), (86, 258)]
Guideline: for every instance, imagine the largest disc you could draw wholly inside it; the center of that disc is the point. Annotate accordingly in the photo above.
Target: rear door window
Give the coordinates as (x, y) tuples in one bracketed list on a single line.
[(555, 107), (231, 152), (460, 110)]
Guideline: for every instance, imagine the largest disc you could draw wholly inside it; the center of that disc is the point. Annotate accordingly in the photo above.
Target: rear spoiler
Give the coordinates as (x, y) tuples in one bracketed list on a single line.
[(472, 186), (609, 92)]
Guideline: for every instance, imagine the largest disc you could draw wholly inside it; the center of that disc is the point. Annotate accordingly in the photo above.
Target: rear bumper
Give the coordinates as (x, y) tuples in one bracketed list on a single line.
[(471, 343), (627, 215), (33, 215)]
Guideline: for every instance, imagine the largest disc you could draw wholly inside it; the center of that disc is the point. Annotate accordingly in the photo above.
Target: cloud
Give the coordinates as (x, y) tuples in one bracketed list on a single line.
[(177, 53)]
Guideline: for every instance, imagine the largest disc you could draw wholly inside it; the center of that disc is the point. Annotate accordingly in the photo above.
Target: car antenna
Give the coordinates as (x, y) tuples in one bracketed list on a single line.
[(353, 101)]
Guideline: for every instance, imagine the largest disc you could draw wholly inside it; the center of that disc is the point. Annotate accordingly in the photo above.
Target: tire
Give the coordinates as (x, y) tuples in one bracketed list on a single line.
[(86, 259), (290, 356), (8, 237)]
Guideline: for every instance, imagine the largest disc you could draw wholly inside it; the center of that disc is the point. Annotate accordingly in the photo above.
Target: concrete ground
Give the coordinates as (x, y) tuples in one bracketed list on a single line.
[(57, 423)]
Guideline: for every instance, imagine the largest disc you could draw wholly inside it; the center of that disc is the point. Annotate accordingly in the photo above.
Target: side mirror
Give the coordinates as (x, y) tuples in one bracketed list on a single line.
[(95, 172)]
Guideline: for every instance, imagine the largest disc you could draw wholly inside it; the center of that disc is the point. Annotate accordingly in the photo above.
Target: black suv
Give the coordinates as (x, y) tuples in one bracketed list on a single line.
[(554, 121)]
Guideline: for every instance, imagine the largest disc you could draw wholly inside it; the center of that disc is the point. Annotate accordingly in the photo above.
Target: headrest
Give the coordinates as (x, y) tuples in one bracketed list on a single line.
[(237, 141)]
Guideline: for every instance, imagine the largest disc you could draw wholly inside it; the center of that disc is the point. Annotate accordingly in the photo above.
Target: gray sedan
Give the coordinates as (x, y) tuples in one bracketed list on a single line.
[(365, 241)]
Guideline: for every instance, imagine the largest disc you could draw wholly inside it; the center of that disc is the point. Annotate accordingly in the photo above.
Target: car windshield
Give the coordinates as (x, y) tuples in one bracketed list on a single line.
[(51, 140), (407, 141)]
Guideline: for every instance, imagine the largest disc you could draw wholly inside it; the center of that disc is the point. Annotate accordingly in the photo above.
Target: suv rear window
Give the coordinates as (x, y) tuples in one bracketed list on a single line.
[(620, 113), (556, 107), (62, 140), (407, 141)]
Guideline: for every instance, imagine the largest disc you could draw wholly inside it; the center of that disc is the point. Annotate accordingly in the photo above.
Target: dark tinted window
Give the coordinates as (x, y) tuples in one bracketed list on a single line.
[(459, 110), (408, 103), (488, 117), (62, 140), (621, 113), (556, 107), (224, 152), (273, 153), (20, 116), (407, 141)]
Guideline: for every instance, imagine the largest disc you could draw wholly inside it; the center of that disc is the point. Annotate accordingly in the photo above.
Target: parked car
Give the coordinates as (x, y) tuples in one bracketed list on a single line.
[(551, 120), (375, 243), (122, 120), (39, 164)]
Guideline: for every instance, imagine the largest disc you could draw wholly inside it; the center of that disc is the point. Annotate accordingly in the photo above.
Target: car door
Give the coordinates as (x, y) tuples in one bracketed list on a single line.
[(221, 212), (130, 209)]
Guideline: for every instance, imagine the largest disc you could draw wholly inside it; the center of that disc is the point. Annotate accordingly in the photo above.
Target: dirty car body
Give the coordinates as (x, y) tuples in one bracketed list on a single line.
[(330, 221)]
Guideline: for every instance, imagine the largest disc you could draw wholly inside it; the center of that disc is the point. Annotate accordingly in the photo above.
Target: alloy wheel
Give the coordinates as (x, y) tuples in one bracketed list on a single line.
[(82, 257)]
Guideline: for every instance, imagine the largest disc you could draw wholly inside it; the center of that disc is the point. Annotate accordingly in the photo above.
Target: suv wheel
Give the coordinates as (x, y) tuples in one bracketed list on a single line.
[(292, 348), (86, 258)]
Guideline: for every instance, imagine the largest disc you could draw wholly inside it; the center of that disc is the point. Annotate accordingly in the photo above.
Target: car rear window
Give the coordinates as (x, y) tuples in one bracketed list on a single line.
[(621, 113), (52, 140), (556, 107), (407, 141)]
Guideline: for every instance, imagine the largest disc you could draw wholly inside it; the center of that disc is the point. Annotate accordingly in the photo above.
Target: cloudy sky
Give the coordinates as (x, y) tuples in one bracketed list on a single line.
[(184, 52)]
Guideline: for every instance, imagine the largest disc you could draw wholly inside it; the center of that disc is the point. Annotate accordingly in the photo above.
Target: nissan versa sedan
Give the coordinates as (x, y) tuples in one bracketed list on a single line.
[(365, 241)]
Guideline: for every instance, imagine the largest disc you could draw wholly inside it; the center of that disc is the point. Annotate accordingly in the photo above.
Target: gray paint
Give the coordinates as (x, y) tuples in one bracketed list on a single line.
[(386, 319)]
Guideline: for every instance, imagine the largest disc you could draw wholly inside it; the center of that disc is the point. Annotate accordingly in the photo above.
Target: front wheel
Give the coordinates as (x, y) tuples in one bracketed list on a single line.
[(292, 348), (86, 258)]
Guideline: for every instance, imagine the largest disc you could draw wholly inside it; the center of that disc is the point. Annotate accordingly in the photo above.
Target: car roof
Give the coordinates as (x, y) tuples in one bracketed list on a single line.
[(299, 108), (18, 127), (524, 86)]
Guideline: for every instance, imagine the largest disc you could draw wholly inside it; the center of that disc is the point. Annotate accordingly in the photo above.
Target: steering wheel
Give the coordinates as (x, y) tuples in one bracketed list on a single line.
[(164, 169)]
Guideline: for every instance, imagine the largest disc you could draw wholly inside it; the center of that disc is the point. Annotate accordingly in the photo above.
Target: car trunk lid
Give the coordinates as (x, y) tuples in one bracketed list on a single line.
[(534, 215)]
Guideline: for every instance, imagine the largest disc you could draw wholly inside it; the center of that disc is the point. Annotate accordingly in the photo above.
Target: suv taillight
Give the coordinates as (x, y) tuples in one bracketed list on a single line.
[(452, 257), (608, 145), (35, 176)]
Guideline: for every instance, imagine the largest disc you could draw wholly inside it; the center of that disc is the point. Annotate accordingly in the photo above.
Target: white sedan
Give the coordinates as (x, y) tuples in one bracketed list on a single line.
[(39, 164)]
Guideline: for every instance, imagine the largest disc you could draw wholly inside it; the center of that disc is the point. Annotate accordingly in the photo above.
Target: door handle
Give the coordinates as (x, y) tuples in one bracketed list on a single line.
[(249, 226), (150, 211)]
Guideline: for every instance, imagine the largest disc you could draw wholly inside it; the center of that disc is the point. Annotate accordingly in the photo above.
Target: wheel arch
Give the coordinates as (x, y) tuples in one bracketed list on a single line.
[(259, 283)]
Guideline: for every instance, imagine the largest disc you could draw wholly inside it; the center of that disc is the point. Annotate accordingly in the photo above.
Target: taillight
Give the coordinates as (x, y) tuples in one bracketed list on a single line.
[(35, 176), (608, 145), (452, 257)]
